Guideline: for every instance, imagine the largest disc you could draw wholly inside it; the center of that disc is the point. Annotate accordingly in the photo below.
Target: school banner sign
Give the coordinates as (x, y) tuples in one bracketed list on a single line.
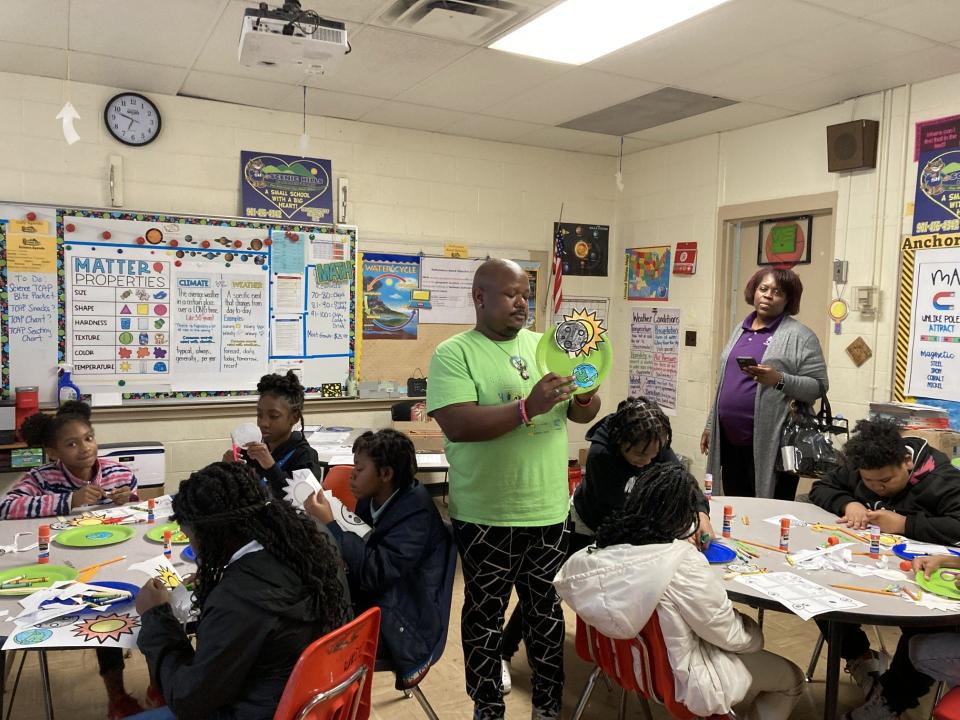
[(285, 187)]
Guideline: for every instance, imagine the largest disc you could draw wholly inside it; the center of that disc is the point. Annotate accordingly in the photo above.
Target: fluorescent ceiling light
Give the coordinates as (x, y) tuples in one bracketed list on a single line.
[(578, 31)]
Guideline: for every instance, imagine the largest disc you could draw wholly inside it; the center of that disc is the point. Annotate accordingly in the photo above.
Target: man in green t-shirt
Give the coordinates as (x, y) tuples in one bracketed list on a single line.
[(506, 443)]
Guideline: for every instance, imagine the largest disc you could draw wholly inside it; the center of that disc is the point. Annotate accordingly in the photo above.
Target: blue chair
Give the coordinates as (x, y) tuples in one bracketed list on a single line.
[(446, 598)]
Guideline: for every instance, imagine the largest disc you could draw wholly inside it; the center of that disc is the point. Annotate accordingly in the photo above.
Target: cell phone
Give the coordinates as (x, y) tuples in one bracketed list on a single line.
[(745, 361)]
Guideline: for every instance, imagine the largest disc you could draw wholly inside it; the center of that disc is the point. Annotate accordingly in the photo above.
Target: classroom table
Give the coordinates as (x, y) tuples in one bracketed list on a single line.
[(877, 609), (136, 549)]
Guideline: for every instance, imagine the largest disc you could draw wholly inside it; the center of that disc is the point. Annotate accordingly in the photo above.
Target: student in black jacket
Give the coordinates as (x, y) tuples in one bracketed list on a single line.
[(283, 449), (907, 488), (401, 564), (269, 583)]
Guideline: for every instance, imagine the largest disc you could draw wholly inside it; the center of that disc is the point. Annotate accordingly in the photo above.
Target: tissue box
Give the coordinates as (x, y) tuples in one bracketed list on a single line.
[(427, 436)]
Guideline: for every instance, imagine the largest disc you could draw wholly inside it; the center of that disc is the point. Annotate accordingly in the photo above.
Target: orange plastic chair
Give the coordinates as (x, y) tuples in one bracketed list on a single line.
[(949, 707), (337, 481), (333, 677), (638, 665)]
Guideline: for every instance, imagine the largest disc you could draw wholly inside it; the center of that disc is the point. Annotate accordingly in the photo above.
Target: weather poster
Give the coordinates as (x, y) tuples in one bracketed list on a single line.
[(285, 187), (388, 283), (936, 206), (647, 274)]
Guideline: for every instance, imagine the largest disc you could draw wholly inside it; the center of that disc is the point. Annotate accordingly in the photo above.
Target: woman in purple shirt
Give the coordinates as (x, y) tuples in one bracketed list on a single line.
[(770, 360)]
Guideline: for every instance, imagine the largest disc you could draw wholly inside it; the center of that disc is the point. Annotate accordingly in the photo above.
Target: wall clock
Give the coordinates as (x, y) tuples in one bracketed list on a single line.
[(132, 119)]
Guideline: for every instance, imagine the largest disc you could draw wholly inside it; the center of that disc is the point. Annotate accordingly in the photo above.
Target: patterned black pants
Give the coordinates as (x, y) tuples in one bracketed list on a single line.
[(495, 559)]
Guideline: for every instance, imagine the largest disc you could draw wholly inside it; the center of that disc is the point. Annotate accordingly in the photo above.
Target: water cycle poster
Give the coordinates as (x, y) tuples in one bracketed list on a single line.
[(285, 187), (937, 202), (647, 274), (388, 281)]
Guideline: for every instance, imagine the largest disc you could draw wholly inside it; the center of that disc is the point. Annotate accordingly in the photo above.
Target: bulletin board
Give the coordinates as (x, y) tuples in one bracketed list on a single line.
[(147, 306), (398, 359)]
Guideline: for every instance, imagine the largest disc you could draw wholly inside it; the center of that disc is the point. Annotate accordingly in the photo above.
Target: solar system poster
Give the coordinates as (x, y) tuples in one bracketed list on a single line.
[(584, 248), (388, 281), (285, 187)]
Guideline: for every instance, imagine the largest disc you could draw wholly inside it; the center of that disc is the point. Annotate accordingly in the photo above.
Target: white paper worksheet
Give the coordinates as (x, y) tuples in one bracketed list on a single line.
[(799, 595)]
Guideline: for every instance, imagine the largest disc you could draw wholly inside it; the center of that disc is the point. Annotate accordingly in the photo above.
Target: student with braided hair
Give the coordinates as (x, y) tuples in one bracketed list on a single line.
[(642, 565), (269, 583), (399, 566), (283, 449)]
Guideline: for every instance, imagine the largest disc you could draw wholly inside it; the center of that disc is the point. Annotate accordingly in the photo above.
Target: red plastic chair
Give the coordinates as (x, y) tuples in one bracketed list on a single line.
[(333, 677), (949, 707), (337, 481), (638, 665)]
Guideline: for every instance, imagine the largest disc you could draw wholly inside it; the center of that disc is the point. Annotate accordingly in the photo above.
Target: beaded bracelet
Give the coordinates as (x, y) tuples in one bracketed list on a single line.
[(522, 407)]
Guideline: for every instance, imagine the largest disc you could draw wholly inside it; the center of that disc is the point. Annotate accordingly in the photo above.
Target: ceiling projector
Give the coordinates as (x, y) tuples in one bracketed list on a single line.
[(290, 37)]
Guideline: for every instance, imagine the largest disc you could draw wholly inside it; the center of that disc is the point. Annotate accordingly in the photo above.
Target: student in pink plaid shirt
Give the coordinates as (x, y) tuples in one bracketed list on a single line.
[(76, 476)]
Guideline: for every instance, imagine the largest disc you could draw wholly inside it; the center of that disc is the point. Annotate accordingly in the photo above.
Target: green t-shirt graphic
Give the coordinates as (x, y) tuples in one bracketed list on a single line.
[(520, 478)]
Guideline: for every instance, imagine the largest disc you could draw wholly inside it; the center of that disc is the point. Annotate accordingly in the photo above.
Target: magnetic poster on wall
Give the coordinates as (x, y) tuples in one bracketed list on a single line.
[(285, 187)]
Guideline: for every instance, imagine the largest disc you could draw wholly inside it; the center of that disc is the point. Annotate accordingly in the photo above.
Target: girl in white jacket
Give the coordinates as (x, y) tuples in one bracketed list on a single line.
[(643, 563)]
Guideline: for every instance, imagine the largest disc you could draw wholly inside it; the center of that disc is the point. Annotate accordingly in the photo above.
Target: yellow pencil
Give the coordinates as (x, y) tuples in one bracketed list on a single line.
[(866, 590), (761, 545)]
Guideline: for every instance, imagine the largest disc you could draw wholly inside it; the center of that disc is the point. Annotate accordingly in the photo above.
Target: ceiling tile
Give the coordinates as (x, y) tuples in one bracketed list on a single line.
[(559, 138), (935, 19), (817, 94), (33, 60), (933, 62), (575, 93), (490, 128), (652, 110), (482, 79), (171, 32), (384, 63), (242, 91), (34, 23), (126, 74), (756, 75), (853, 44), (610, 145), (417, 117), (359, 11), (728, 118), (722, 36), (858, 8)]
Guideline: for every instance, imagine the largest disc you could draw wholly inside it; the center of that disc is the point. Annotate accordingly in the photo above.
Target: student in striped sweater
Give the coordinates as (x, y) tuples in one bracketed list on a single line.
[(76, 477)]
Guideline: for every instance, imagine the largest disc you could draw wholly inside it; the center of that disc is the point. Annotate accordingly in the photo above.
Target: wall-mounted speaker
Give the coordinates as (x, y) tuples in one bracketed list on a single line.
[(852, 145)]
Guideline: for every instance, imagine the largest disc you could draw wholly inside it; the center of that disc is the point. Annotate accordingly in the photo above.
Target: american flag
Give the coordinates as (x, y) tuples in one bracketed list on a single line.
[(557, 269)]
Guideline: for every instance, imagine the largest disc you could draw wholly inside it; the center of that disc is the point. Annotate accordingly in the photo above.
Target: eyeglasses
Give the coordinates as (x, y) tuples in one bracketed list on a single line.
[(775, 291)]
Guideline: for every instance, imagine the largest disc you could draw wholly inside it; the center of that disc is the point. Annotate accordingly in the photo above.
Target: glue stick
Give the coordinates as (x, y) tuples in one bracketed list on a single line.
[(727, 520), (151, 506), (43, 545), (875, 541), (167, 550), (708, 485), (785, 534)]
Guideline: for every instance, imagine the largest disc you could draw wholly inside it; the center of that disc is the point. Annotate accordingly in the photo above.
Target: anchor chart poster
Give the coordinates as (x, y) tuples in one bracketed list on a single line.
[(285, 187), (388, 310)]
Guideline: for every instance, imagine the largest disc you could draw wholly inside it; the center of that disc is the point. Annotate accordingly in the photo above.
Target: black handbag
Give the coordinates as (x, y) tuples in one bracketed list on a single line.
[(417, 386), (806, 442)]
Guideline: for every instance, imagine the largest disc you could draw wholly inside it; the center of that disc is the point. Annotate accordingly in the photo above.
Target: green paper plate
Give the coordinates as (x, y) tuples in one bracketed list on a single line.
[(177, 537), (94, 536), (587, 370), (52, 573), (944, 587)]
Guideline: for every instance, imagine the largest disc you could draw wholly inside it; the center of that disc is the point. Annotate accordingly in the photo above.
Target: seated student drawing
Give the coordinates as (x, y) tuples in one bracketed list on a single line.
[(642, 564), (905, 487), (74, 478), (269, 583), (401, 564), (283, 449)]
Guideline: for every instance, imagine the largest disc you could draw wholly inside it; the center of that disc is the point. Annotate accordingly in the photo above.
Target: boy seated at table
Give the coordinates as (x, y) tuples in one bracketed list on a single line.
[(905, 487)]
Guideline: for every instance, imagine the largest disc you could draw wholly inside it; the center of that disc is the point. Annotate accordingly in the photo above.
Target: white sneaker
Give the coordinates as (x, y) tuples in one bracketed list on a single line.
[(866, 670), (505, 676)]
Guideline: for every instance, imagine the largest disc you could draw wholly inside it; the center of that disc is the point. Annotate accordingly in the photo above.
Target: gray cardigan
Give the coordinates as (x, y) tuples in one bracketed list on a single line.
[(795, 351)]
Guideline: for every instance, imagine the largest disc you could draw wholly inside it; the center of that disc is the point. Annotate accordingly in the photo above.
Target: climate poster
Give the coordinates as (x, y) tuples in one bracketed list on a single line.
[(285, 188), (388, 281)]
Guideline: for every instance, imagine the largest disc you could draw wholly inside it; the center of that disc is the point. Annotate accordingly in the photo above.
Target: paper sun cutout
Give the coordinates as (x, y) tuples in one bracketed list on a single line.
[(580, 333), (107, 627)]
